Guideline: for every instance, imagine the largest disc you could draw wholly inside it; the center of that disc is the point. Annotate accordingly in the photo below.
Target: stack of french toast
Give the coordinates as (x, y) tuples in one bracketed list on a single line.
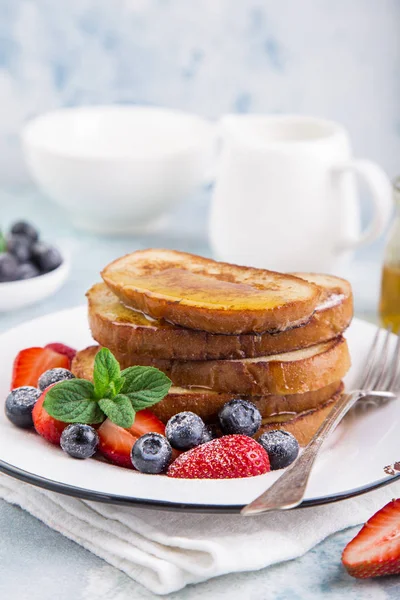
[(222, 331)]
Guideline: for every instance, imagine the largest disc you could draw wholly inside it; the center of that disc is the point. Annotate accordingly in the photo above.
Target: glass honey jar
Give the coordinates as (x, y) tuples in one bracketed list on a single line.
[(389, 307)]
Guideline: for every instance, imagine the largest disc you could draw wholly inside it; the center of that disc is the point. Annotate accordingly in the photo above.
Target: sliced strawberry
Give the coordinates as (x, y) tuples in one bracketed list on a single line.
[(146, 422), (375, 550), (32, 362), (116, 443), (45, 425), (223, 458), (62, 349)]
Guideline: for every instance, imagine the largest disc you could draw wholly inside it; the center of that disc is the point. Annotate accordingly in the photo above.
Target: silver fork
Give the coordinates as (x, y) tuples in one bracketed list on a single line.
[(379, 380)]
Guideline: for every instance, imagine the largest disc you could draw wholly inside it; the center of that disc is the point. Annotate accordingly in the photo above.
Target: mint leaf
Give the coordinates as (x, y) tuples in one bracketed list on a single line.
[(144, 386), (119, 410), (3, 243), (106, 375), (73, 402)]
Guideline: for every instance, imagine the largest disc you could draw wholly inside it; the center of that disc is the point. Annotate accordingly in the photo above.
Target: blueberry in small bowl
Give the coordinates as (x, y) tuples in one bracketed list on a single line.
[(30, 269)]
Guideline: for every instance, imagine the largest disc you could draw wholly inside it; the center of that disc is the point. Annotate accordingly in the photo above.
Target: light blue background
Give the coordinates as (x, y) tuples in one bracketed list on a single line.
[(335, 59)]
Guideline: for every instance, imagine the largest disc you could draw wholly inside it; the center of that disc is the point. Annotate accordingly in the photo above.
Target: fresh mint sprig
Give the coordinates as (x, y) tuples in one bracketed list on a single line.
[(115, 394), (3, 243)]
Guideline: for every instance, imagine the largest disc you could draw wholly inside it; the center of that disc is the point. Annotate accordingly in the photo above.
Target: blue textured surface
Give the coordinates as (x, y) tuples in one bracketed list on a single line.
[(334, 59), (38, 564)]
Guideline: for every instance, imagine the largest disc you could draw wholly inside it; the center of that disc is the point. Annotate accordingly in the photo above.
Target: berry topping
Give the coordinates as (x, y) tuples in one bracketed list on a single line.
[(32, 362), (146, 422), (46, 258), (151, 453), (116, 443), (185, 430), (26, 230), (8, 267), (281, 446), (46, 426), (19, 405), (239, 416), (209, 433), (79, 441), (20, 247), (62, 349), (224, 458), (54, 376), (26, 271), (375, 550)]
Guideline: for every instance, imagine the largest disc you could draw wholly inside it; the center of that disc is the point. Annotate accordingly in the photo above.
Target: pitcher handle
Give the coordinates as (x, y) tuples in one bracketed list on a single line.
[(381, 193)]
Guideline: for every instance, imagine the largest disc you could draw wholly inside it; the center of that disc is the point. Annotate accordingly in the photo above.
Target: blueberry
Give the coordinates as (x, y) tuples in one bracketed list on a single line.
[(8, 267), (185, 430), (209, 433), (79, 441), (151, 453), (19, 247), (19, 405), (281, 447), (26, 230), (27, 271), (239, 416), (54, 376), (46, 257)]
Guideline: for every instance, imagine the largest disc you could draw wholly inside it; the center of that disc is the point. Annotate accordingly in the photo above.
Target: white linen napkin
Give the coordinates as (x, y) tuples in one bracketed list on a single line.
[(165, 551)]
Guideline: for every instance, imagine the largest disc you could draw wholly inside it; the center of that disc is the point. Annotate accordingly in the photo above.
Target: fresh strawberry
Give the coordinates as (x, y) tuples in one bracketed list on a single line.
[(116, 443), (32, 362), (45, 425), (375, 550), (62, 349), (146, 422), (223, 458)]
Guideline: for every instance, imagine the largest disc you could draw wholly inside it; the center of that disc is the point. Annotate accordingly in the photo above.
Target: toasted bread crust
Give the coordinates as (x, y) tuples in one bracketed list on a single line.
[(130, 332), (296, 372), (206, 295), (304, 425), (207, 403)]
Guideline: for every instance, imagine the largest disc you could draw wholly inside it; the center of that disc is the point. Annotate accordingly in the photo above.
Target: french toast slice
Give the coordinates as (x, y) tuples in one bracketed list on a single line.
[(303, 425), (207, 403), (288, 373), (200, 293), (130, 331)]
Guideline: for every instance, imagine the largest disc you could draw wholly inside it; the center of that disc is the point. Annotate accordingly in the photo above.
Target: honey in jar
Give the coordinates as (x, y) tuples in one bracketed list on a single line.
[(389, 307)]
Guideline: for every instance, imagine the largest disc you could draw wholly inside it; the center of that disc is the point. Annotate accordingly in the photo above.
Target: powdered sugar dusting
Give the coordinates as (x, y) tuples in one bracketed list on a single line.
[(227, 457)]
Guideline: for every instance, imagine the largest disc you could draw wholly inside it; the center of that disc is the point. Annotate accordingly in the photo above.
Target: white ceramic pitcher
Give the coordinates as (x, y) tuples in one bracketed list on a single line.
[(285, 196)]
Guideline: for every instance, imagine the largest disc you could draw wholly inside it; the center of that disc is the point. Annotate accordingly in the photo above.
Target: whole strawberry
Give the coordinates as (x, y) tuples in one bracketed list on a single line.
[(223, 458), (375, 550)]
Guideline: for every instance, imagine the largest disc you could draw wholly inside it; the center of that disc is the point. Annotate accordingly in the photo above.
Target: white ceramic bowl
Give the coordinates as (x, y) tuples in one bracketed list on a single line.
[(117, 169), (18, 294)]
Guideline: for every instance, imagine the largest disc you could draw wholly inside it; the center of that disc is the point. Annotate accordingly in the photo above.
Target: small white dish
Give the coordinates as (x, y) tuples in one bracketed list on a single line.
[(118, 169), (18, 294), (352, 462)]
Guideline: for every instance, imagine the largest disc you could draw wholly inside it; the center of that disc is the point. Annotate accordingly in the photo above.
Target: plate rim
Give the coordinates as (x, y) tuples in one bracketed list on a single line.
[(84, 494)]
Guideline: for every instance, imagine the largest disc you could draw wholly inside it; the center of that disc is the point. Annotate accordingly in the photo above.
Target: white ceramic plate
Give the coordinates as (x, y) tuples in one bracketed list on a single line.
[(352, 463)]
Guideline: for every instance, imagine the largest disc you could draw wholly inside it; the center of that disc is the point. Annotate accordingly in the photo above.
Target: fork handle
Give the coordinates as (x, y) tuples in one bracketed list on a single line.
[(288, 491)]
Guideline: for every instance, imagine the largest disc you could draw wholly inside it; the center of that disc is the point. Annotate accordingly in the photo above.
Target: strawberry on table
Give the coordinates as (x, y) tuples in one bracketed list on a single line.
[(223, 458), (30, 363), (45, 425), (116, 443), (375, 550)]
